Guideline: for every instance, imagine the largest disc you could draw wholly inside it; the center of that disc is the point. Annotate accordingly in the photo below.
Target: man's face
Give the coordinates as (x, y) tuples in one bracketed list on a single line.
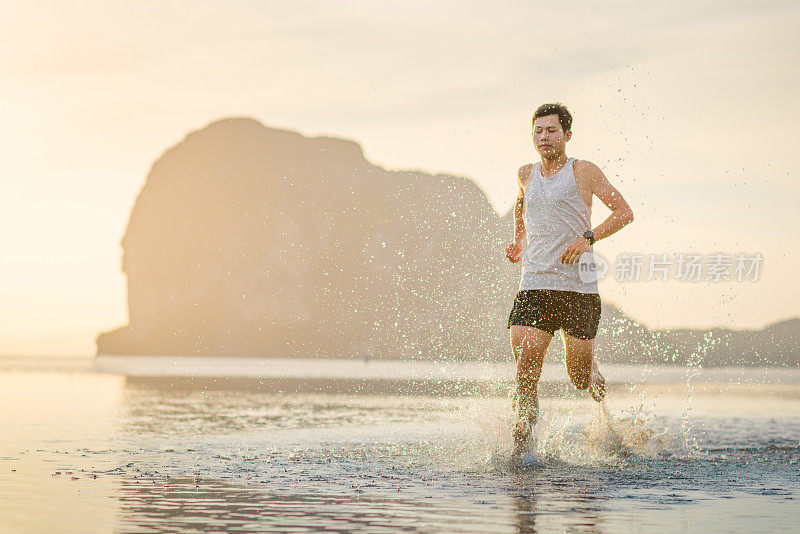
[(549, 137)]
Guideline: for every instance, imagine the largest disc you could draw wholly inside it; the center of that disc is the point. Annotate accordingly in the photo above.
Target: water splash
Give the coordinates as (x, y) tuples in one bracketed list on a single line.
[(582, 433), (693, 371), (607, 436)]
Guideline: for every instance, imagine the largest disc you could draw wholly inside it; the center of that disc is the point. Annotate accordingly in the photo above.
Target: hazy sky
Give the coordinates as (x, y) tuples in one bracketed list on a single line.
[(689, 107)]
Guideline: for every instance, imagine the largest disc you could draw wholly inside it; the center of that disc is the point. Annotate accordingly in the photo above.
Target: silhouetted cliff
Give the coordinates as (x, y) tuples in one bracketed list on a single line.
[(253, 241), (247, 240)]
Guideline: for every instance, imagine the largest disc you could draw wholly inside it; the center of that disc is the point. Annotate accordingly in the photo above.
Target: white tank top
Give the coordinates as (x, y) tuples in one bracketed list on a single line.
[(555, 215)]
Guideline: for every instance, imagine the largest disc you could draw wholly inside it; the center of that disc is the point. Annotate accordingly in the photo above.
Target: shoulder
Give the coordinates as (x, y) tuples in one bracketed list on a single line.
[(587, 170), (585, 167), (522, 177)]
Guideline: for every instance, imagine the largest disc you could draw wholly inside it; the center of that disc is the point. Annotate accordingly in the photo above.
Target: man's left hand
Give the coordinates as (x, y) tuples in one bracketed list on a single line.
[(574, 250)]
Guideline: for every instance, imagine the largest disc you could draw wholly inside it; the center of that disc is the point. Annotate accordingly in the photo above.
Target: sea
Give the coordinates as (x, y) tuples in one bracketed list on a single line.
[(199, 444)]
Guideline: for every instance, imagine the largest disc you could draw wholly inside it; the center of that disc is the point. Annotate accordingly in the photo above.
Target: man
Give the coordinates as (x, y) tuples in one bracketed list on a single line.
[(553, 210)]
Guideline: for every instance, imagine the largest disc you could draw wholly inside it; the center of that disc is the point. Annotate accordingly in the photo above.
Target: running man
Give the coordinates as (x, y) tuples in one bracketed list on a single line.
[(553, 210)]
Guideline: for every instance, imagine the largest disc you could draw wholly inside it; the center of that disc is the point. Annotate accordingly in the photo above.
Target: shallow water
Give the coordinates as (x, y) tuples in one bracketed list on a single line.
[(198, 445)]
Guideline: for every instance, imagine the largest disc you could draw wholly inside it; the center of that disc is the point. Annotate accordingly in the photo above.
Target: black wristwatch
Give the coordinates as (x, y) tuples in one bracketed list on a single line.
[(588, 234)]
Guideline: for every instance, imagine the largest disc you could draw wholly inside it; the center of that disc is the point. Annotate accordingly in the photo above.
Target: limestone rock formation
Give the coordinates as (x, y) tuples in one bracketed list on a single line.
[(248, 240)]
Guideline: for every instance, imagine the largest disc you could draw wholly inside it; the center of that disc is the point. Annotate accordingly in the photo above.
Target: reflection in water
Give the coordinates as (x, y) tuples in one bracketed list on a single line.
[(525, 508), (221, 507), (570, 501), (186, 504)]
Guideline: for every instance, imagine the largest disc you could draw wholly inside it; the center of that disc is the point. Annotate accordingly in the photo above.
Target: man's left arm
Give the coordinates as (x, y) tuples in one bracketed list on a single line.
[(621, 212)]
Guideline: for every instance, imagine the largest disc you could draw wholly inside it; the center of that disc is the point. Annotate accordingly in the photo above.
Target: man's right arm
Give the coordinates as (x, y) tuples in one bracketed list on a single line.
[(519, 223)]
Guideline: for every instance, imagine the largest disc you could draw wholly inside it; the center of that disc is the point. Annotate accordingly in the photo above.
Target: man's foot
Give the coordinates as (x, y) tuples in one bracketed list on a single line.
[(597, 384)]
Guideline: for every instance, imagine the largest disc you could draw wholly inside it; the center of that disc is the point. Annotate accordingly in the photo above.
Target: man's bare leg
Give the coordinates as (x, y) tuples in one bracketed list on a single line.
[(597, 383), (582, 367), (529, 345)]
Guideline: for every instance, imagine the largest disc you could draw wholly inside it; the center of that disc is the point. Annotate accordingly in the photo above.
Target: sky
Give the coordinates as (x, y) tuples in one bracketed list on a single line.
[(689, 107)]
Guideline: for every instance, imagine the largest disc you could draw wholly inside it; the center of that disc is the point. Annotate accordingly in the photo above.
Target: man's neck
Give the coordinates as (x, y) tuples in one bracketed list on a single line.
[(550, 166)]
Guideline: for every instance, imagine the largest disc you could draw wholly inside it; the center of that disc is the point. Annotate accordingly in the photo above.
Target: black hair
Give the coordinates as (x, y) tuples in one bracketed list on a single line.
[(564, 116)]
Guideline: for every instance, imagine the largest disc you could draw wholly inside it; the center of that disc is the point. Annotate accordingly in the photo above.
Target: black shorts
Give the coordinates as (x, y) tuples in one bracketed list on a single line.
[(550, 310)]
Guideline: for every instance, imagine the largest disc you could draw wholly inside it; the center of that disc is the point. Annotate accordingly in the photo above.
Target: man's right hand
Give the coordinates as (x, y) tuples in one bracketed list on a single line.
[(514, 251)]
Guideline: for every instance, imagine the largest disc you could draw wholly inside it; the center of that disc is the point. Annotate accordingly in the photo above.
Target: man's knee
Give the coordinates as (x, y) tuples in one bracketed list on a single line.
[(529, 358), (579, 379), (529, 369), (528, 380)]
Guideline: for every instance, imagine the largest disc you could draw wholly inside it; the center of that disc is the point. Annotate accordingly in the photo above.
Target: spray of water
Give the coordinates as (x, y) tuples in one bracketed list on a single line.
[(580, 432), (693, 370)]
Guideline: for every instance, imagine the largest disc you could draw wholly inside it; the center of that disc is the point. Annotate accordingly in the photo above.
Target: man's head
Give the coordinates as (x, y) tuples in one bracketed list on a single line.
[(552, 125)]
